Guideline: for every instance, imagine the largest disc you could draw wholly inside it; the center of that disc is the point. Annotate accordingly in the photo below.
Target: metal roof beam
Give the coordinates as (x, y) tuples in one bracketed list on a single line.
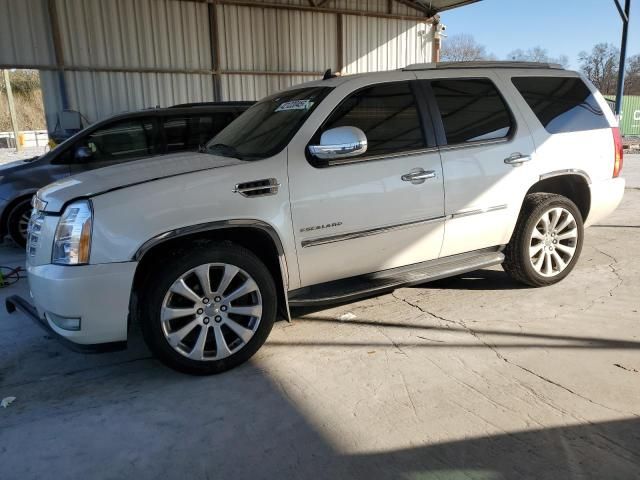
[(416, 6), (318, 8)]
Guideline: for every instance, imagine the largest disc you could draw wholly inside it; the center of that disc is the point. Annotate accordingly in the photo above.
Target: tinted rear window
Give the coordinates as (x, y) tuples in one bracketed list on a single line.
[(472, 110), (561, 104)]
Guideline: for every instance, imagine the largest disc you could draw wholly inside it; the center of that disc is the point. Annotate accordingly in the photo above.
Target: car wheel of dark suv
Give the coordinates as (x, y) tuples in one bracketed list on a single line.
[(18, 221)]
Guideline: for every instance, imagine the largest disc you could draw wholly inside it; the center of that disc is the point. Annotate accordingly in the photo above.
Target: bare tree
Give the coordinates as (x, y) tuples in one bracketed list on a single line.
[(463, 48), (537, 54), (601, 66), (632, 76)]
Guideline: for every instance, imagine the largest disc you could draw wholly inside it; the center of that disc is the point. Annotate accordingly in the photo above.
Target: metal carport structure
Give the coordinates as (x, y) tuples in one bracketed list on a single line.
[(104, 57)]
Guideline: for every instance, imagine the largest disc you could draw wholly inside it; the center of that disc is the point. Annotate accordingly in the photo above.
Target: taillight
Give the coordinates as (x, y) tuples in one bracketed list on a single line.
[(618, 155)]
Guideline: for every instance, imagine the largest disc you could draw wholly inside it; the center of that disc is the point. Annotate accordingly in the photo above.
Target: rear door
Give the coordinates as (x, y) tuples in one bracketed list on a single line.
[(358, 215), (570, 122), (487, 154)]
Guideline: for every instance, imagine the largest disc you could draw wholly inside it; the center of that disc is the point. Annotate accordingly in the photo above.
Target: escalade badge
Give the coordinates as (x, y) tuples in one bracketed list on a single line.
[(320, 227)]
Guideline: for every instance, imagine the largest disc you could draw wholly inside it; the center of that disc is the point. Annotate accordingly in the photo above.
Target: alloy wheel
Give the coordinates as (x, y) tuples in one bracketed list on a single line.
[(23, 223), (211, 311), (553, 242)]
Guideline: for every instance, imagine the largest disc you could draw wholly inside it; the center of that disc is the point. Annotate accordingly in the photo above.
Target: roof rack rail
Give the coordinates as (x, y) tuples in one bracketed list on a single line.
[(482, 64), (232, 103)]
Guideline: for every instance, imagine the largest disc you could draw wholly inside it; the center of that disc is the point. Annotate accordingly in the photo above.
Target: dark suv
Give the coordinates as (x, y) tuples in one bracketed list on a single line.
[(121, 138)]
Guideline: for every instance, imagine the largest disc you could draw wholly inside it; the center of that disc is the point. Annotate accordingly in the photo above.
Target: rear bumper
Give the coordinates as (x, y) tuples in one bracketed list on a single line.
[(606, 195), (15, 302), (97, 295)]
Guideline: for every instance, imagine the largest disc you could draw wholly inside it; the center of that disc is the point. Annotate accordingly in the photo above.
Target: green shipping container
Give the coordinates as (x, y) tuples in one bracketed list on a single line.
[(630, 118)]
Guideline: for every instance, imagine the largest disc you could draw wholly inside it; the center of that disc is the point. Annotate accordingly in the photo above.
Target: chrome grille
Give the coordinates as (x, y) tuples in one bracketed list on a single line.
[(33, 231)]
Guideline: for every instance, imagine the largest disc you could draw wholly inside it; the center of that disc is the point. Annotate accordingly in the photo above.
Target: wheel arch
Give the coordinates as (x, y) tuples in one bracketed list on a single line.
[(255, 235), (573, 184), (4, 217)]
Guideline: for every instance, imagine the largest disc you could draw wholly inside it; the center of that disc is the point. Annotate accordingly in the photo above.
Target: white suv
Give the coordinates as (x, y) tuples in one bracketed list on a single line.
[(326, 192)]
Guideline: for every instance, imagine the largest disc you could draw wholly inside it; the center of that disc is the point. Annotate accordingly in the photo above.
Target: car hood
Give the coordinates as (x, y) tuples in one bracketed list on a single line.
[(16, 165), (95, 182)]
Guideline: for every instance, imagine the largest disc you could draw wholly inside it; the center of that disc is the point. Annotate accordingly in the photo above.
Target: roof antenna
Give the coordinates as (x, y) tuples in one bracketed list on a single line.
[(327, 75)]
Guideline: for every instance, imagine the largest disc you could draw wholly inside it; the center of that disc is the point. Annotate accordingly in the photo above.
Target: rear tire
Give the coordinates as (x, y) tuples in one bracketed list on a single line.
[(546, 242), (18, 221), (200, 329)]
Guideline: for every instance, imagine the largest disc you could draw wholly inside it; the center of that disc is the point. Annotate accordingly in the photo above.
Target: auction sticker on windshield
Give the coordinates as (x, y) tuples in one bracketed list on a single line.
[(295, 105)]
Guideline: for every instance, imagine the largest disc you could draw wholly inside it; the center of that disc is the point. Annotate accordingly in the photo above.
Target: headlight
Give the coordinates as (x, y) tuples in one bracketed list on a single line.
[(72, 243)]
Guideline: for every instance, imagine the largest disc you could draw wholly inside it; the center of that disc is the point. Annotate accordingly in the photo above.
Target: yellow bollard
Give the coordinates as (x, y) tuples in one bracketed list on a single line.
[(21, 139)]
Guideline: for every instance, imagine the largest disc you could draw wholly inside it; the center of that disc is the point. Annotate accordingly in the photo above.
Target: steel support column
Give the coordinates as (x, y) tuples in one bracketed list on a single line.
[(12, 109), (624, 15), (57, 50)]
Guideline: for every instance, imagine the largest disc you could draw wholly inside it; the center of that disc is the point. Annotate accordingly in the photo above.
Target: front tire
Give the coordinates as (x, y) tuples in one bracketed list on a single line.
[(18, 221), (546, 242), (208, 310)]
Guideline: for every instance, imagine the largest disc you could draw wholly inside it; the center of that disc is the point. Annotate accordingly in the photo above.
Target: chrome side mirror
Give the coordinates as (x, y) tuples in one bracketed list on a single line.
[(340, 142)]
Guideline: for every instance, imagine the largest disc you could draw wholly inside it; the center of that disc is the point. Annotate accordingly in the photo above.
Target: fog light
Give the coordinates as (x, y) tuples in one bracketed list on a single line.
[(66, 323)]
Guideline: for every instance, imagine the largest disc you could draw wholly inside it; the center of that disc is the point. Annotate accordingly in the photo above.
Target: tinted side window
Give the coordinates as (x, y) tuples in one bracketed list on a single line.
[(122, 140), (561, 104), (189, 132), (472, 110), (387, 114)]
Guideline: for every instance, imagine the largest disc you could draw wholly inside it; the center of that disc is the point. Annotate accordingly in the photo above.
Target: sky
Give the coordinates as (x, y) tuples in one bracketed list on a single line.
[(561, 26)]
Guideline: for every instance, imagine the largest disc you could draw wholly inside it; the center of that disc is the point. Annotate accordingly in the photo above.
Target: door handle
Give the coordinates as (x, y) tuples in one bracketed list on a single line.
[(418, 176), (517, 159)]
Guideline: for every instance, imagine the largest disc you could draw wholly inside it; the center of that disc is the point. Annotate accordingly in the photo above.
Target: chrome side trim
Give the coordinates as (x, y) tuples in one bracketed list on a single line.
[(365, 233), (479, 143), (478, 211), (373, 158), (568, 171), (220, 225)]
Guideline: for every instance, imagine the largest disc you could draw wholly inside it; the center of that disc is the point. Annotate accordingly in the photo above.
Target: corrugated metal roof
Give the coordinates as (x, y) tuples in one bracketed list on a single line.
[(99, 94), (278, 40), (25, 35), (382, 6), (117, 33), (169, 42), (376, 44), (254, 87)]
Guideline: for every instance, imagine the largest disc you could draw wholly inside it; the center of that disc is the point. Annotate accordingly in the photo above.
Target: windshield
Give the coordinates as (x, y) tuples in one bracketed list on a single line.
[(266, 128)]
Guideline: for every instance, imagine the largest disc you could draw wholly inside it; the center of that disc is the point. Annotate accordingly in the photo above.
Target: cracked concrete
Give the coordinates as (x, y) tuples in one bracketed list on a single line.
[(472, 377)]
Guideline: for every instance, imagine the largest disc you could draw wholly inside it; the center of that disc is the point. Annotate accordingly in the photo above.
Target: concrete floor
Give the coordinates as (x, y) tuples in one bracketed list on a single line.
[(469, 378)]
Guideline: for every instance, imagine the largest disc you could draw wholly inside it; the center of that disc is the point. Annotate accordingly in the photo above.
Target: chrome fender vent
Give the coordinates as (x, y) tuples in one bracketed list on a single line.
[(257, 188)]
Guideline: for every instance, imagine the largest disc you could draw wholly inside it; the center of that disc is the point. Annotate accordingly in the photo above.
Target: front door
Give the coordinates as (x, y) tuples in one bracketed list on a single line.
[(366, 214), (117, 142)]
